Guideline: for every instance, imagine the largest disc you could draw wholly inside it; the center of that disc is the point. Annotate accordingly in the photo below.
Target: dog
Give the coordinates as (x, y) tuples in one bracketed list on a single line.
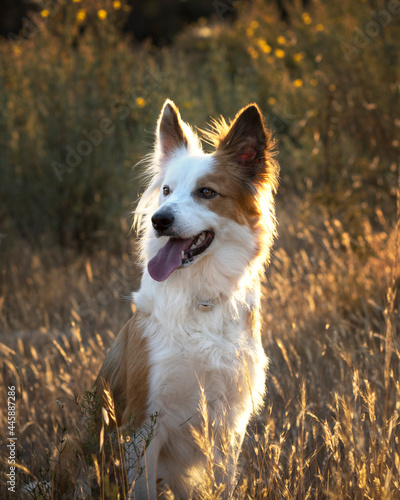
[(193, 346)]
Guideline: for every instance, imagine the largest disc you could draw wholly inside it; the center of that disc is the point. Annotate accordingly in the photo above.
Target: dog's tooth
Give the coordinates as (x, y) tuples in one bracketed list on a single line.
[(182, 255)]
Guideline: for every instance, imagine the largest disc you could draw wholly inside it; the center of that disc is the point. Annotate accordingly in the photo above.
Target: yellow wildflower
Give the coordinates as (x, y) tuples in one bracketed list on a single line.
[(102, 14), (254, 25), (332, 87), (298, 82), (306, 18), (44, 13), (81, 15), (76, 1), (299, 56), (264, 46), (319, 27), (117, 4), (271, 101), (281, 40), (252, 51), (280, 54), (250, 32), (314, 82), (140, 102)]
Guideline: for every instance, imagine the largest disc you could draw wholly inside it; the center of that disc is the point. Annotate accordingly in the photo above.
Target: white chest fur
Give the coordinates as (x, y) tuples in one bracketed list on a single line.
[(204, 342)]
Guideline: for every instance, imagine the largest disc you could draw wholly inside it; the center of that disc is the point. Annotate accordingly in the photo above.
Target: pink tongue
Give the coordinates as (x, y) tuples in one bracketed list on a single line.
[(167, 259)]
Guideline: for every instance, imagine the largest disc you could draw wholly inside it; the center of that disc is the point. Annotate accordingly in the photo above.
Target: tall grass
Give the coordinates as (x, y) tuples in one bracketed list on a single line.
[(330, 427)]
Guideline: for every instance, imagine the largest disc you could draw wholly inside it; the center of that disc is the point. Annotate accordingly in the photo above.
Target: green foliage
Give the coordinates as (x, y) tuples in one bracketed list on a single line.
[(66, 156)]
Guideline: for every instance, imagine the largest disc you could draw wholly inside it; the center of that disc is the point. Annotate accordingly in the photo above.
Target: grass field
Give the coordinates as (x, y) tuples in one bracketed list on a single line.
[(330, 427)]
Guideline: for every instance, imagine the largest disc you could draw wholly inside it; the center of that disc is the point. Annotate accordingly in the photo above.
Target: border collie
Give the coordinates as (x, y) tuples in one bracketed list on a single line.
[(192, 351)]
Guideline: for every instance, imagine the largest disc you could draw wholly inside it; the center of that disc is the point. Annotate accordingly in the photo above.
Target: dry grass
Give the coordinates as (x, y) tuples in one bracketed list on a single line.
[(330, 427)]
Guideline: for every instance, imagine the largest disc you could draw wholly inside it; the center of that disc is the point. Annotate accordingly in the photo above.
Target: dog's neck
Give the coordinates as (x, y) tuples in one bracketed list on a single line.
[(196, 293)]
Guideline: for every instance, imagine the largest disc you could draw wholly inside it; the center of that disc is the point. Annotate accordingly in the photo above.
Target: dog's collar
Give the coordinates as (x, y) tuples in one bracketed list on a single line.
[(205, 305), (208, 305)]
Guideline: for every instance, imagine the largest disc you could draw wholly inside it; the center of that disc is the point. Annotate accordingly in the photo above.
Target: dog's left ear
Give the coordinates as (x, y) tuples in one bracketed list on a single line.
[(170, 133), (247, 141)]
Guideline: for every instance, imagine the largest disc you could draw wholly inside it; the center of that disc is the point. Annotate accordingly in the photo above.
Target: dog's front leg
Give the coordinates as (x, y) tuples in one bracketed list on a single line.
[(142, 475)]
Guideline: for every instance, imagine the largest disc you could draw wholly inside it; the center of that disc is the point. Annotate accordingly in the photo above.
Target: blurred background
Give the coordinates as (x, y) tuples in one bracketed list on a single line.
[(324, 73), (81, 85)]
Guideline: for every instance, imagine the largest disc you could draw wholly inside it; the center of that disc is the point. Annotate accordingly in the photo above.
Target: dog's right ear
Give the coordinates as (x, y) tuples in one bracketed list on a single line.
[(170, 133)]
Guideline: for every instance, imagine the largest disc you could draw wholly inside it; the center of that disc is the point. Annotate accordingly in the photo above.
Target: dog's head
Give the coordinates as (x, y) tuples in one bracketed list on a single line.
[(202, 204)]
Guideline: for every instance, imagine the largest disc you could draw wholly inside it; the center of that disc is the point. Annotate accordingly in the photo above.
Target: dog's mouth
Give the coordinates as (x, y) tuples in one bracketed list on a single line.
[(178, 252), (198, 245)]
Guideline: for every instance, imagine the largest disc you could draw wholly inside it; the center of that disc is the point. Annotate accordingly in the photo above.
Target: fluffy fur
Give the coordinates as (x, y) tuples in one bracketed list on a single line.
[(197, 326)]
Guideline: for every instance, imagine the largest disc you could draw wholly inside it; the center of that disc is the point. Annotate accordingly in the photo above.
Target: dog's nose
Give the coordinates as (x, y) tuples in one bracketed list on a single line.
[(162, 221)]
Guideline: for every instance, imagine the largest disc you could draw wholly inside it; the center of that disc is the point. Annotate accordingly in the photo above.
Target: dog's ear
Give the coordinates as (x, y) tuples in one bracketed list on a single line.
[(170, 133), (247, 141)]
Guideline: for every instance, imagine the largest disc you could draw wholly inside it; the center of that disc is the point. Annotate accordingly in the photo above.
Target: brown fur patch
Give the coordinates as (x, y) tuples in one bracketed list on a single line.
[(235, 140), (232, 201), (246, 174), (126, 372)]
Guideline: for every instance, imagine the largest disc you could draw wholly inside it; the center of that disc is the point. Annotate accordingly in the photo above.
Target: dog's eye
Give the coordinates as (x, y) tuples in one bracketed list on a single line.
[(166, 190), (207, 193)]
